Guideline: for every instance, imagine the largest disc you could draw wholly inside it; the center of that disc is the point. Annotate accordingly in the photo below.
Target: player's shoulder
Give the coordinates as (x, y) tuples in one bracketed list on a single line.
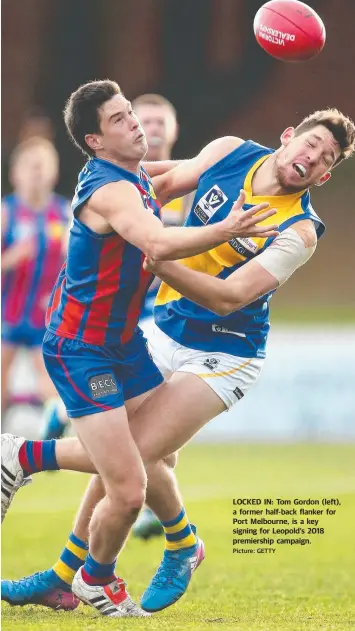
[(218, 149), (224, 145), (305, 228), (118, 193)]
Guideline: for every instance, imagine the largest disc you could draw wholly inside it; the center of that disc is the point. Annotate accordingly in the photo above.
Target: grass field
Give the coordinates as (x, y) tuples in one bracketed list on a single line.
[(297, 588)]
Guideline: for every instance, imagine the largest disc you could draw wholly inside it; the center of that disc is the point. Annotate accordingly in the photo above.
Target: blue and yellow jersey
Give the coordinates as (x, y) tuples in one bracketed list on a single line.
[(244, 332), (101, 288)]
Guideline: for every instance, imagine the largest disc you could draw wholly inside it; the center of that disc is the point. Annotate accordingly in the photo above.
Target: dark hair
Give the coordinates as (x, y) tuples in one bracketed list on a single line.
[(81, 110), (339, 125)]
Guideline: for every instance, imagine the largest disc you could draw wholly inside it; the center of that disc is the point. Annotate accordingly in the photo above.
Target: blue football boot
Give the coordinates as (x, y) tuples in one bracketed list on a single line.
[(43, 588), (173, 576)]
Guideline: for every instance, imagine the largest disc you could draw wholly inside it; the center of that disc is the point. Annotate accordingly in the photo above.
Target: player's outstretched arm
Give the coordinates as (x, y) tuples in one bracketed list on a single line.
[(159, 167), (121, 205), (271, 268), (183, 178)]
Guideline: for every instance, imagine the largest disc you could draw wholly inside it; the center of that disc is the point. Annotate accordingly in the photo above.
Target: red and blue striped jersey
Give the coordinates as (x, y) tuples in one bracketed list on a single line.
[(27, 287), (101, 288)]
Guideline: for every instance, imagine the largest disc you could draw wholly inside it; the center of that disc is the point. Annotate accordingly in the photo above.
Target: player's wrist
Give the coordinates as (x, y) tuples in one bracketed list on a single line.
[(222, 231)]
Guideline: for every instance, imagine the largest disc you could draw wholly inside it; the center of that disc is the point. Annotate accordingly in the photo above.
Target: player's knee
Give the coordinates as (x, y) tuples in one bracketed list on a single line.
[(171, 460), (132, 500), (129, 494)]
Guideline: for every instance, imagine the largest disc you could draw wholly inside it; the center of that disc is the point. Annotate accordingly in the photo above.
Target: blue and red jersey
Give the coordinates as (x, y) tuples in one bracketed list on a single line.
[(27, 287), (101, 288)]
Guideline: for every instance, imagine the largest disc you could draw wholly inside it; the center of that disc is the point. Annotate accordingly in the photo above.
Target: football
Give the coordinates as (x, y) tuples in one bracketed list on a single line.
[(289, 30)]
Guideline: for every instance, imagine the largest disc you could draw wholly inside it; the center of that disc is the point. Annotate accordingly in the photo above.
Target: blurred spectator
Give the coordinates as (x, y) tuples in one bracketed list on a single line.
[(34, 227), (159, 120)]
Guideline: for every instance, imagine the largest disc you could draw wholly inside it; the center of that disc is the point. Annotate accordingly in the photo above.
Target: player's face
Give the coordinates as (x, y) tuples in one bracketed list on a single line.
[(35, 171), (121, 136), (306, 159), (159, 125)]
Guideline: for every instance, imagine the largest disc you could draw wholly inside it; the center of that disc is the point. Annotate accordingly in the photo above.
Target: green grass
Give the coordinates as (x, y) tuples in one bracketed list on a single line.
[(300, 588), (313, 315)]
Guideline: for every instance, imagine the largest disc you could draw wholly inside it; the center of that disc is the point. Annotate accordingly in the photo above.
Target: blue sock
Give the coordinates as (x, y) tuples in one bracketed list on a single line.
[(95, 573), (38, 455)]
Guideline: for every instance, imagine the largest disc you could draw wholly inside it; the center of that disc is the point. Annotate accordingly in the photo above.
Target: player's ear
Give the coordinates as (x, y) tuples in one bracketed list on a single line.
[(93, 141), (323, 179), (287, 136)]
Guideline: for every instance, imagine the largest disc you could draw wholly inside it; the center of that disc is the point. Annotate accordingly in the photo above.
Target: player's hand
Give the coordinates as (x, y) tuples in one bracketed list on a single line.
[(151, 265), (244, 223)]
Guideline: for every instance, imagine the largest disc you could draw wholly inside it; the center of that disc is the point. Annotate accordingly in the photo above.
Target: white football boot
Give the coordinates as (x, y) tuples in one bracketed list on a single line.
[(110, 600), (12, 476)]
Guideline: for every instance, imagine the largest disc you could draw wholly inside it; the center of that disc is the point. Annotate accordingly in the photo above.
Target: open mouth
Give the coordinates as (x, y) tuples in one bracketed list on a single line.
[(300, 169)]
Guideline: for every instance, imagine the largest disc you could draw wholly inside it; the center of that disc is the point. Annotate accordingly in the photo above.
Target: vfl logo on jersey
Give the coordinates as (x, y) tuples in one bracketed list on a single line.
[(217, 328), (210, 203), (244, 246)]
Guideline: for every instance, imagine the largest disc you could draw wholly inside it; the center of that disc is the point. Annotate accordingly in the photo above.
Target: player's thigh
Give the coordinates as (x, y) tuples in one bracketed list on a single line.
[(168, 419), (107, 439), (84, 376)]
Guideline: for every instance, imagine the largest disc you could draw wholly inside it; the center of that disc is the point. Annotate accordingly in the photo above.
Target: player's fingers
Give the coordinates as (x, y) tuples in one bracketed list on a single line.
[(238, 204), (264, 231), (260, 217), (256, 209)]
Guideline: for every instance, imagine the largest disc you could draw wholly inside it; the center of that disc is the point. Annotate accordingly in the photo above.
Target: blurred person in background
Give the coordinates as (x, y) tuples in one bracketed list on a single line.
[(34, 224)]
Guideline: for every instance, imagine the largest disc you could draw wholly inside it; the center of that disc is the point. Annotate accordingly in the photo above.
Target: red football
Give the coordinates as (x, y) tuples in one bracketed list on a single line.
[(289, 30)]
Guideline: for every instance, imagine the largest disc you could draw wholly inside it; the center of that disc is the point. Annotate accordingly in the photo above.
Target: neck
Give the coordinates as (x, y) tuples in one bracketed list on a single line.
[(37, 200), (133, 166), (264, 181)]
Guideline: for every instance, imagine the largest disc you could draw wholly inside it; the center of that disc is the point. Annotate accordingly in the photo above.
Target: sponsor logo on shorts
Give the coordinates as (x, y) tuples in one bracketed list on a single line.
[(210, 203), (211, 363), (102, 385), (217, 328), (238, 393)]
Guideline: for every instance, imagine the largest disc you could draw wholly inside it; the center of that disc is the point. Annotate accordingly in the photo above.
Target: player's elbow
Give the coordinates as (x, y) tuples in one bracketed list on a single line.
[(225, 308), (156, 249), (229, 299)]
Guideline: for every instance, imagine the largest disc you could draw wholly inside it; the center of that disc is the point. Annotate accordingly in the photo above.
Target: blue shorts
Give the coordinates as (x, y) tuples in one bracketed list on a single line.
[(23, 334), (92, 379)]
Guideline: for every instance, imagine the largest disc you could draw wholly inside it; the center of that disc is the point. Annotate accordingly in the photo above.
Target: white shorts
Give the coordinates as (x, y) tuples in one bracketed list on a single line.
[(229, 377)]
